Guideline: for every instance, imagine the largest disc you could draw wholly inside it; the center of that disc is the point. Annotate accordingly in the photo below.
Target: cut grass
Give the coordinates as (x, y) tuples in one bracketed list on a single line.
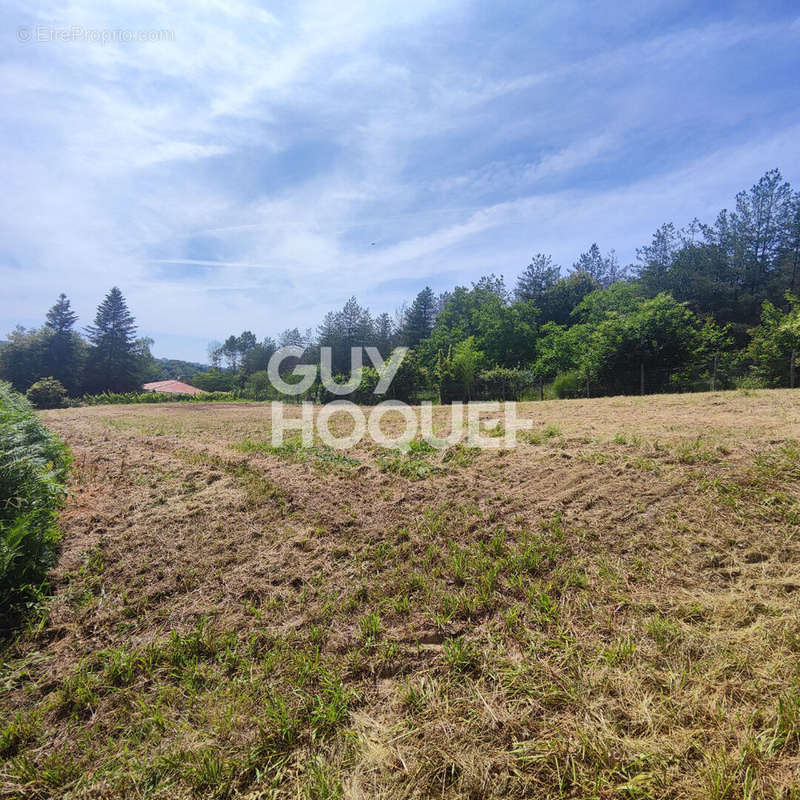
[(537, 622), (293, 450)]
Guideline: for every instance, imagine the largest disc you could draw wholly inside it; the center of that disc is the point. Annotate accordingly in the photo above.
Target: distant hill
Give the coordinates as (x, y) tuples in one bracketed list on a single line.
[(175, 369)]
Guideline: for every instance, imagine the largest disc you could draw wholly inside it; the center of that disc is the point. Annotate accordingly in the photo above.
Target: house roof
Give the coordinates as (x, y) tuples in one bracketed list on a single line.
[(172, 387)]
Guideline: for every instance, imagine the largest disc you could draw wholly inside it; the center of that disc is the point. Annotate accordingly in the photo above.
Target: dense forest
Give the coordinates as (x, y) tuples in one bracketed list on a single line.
[(706, 306)]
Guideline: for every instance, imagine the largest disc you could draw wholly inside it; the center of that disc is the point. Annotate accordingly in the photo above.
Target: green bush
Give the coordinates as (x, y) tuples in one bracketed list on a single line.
[(47, 393), (33, 470), (752, 380), (128, 398), (503, 383), (570, 384)]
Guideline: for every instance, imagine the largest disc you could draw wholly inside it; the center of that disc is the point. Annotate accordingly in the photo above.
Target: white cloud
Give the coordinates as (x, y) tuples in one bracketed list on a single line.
[(239, 175)]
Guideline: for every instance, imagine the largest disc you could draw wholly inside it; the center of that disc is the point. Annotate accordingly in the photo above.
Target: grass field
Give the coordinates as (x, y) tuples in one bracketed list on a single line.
[(610, 609)]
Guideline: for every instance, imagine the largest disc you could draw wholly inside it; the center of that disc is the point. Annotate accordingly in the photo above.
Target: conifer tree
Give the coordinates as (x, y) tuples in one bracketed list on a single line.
[(65, 348), (61, 317), (419, 318), (113, 362)]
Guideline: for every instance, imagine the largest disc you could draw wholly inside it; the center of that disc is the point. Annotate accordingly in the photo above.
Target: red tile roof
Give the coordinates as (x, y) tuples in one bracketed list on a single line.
[(172, 387)]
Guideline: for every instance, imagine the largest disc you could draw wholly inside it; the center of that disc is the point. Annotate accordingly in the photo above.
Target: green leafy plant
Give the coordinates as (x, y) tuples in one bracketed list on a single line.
[(47, 393), (33, 469)]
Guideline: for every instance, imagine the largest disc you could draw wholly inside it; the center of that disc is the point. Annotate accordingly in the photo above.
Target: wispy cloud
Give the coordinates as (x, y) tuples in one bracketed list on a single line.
[(264, 164)]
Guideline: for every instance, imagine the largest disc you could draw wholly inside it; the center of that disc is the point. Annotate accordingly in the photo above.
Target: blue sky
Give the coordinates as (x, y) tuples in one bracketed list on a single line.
[(236, 173)]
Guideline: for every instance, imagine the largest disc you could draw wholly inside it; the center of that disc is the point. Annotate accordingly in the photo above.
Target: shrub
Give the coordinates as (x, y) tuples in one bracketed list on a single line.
[(502, 383), (128, 398), (752, 381), (47, 393), (570, 384), (33, 469)]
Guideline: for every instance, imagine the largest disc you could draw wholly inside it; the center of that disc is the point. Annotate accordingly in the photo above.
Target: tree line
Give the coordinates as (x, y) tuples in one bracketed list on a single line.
[(704, 306), (109, 357)]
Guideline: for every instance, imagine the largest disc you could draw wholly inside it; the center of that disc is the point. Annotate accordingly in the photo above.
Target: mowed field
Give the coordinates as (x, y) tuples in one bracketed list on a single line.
[(609, 609)]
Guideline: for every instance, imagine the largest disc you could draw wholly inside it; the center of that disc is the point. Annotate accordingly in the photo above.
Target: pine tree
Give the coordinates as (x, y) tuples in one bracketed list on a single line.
[(539, 276), (419, 318), (65, 348), (113, 362), (384, 334), (604, 269), (656, 259), (343, 330), (61, 317)]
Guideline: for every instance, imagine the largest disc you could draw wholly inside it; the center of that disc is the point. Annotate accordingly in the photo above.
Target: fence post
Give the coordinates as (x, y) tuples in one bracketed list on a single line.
[(791, 368), (587, 383), (714, 373), (541, 389), (641, 377)]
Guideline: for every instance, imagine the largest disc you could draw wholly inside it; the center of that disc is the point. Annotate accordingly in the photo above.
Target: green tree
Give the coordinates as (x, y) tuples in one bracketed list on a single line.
[(419, 319), (557, 303), (557, 350), (760, 219), (114, 363), (66, 350), (384, 334), (215, 380), (343, 330), (620, 298), (790, 259), (605, 270), (259, 386), (293, 337), (230, 352), (24, 356), (539, 276), (467, 312), (256, 359), (55, 350), (641, 349), (457, 370), (466, 363), (775, 340), (61, 318), (656, 259)]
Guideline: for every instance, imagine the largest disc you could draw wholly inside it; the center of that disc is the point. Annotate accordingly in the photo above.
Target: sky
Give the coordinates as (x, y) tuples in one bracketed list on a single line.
[(236, 165)]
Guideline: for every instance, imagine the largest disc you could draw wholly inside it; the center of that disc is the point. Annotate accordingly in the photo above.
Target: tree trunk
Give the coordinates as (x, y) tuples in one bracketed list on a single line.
[(541, 389), (791, 368), (587, 384), (641, 377)]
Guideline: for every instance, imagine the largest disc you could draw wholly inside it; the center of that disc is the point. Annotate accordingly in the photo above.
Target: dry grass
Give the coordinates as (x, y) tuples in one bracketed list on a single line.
[(608, 610)]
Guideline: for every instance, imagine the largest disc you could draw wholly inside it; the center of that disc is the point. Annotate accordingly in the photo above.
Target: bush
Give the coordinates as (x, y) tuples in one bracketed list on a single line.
[(33, 470), (129, 398), (47, 393), (752, 381), (570, 384), (502, 383)]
